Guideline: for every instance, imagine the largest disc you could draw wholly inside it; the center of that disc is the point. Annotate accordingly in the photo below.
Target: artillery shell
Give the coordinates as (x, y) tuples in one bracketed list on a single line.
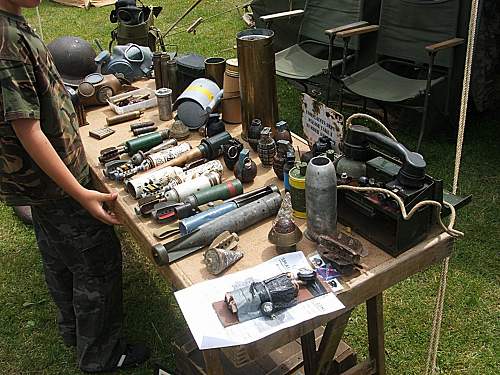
[(113, 120), (145, 130)]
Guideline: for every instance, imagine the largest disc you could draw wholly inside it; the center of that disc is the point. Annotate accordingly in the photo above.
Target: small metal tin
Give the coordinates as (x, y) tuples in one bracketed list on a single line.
[(164, 96), (297, 181)]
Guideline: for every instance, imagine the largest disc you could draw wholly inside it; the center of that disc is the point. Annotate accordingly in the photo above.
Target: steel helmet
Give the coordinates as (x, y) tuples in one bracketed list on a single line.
[(73, 57)]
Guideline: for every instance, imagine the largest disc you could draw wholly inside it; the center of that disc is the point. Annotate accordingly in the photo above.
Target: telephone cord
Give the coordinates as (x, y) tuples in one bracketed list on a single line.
[(348, 123), (407, 215)]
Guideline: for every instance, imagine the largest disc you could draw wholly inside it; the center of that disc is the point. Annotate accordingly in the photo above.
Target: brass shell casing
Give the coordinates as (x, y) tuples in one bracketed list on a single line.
[(257, 78)]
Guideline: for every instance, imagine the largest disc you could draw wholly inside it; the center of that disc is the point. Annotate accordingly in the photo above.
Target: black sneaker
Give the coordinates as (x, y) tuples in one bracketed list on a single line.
[(24, 213), (134, 355), (69, 341)]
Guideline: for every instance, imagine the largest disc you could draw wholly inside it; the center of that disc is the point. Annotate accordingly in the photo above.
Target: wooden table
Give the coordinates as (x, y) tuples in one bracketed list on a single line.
[(380, 270)]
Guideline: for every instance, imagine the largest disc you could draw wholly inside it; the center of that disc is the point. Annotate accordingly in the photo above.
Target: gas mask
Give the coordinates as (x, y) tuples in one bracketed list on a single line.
[(130, 62), (96, 88), (127, 13)]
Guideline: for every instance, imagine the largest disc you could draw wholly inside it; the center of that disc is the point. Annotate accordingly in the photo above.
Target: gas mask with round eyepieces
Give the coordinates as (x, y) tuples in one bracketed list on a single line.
[(131, 62)]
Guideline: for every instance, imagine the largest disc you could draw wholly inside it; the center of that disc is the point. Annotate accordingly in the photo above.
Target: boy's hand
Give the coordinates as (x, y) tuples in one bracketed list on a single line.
[(92, 201), (37, 145)]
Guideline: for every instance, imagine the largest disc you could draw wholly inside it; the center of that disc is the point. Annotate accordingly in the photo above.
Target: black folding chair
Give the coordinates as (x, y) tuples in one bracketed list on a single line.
[(408, 66), (321, 21)]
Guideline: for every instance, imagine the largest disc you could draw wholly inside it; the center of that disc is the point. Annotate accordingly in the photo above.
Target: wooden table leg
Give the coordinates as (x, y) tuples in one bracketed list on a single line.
[(332, 335), (213, 361), (375, 318), (308, 343)]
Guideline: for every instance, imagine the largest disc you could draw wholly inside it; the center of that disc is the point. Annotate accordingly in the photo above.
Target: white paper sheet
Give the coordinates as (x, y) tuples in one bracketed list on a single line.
[(206, 328)]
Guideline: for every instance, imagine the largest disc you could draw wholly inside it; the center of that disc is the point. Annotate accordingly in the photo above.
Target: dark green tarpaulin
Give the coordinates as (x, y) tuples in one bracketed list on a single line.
[(485, 85)]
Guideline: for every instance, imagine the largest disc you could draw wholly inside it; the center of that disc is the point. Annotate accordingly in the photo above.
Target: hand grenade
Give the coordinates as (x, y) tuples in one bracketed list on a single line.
[(246, 169), (266, 148), (254, 133), (282, 132), (231, 151), (282, 147)]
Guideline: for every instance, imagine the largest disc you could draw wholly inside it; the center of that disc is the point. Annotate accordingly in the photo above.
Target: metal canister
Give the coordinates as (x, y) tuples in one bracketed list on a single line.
[(214, 69), (164, 60), (164, 97), (257, 75), (197, 101), (172, 74), (297, 181), (157, 70), (231, 99)]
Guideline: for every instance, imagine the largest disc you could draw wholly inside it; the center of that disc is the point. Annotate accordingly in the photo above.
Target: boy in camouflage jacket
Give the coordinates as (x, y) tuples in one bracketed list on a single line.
[(43, 164)]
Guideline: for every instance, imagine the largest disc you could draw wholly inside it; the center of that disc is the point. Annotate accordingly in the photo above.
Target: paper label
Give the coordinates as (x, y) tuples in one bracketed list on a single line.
[(208, 332)]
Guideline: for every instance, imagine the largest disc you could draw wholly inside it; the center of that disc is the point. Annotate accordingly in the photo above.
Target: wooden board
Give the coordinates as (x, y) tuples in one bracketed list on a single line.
[(282, 361), (380, 270)]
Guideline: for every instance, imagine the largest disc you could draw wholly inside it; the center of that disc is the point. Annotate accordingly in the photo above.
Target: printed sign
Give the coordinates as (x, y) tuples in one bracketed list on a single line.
[(319, 120)]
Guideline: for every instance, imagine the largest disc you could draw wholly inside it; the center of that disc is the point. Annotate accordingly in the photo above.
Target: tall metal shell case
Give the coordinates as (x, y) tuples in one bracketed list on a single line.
[(257, 78)]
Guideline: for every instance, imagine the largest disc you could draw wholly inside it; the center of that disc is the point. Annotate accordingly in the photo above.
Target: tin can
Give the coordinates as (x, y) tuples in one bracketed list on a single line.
[(214, 69), (297, 181), (231, 99), (164, 96)]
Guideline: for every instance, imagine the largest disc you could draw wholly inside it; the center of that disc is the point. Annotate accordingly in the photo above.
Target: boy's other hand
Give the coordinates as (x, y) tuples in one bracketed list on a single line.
[(92, 201)]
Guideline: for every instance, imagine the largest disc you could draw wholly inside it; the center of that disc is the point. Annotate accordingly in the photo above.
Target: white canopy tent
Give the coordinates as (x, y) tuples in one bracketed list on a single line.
[(85, 3)]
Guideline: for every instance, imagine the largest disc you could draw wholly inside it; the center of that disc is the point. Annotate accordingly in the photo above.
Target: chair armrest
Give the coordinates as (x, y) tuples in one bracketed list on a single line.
[(335, 30), (358, 31), (276, 16), (436, 47)]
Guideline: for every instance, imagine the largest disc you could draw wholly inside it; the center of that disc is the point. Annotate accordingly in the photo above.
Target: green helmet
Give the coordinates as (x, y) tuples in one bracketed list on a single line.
[(73, 57)]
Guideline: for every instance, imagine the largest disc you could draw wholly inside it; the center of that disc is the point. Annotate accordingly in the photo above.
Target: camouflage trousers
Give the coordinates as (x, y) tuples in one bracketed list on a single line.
[(82, 262)]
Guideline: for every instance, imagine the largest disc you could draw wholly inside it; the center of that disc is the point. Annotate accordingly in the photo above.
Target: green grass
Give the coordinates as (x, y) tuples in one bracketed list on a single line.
[(470, 331)]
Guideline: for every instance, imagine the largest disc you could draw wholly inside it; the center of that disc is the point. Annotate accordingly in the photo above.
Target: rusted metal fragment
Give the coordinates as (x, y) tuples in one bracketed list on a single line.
[(344, 251)]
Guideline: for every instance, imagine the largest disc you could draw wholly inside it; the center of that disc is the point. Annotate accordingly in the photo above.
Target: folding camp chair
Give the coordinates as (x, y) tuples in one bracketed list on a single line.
[(408, 66), (321, 21)]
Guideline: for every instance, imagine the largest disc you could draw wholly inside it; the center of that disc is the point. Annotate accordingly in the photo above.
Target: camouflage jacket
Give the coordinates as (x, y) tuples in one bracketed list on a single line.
[(30, 87)]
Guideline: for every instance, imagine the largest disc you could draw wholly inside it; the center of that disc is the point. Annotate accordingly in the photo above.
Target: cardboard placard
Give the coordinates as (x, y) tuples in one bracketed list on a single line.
[(319, 120)]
